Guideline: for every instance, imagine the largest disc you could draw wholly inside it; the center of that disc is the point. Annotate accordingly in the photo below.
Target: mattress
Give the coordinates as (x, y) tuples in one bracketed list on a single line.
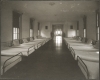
[(34, 43), (84, 48), (90, 68), (73, 41), (93, 56), (23, 46), (9, 63), (14, 51), (39, 39), (80, 44)]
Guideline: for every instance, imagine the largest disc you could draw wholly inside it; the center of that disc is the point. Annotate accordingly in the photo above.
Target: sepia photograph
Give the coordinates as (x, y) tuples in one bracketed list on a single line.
[(49, 39)]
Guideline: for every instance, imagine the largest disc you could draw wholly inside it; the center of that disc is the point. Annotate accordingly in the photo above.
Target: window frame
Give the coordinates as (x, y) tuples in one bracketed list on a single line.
[(16, 24), (15, 33)]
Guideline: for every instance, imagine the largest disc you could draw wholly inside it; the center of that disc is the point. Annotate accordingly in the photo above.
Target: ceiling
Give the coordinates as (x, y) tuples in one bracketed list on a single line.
[(55, 11)]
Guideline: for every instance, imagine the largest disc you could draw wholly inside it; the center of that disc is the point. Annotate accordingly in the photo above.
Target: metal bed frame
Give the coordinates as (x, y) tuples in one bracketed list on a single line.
[(84, 67), (72, 51), (8, 60)]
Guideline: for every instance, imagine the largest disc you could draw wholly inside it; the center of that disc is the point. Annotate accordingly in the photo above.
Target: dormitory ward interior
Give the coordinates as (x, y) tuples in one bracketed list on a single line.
[(49, 40)]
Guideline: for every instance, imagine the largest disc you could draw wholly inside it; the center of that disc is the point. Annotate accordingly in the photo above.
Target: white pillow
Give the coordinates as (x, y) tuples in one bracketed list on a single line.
[(25, 40), (16, 42)]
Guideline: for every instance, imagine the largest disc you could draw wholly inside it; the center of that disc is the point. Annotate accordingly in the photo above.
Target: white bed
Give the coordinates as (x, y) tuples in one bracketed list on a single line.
[(83, 48), (36, 43), (86, 54), (8, 62), (13, 51), (89, 66)]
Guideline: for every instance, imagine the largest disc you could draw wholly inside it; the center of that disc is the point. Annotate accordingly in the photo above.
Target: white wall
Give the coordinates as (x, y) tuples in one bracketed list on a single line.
[(74, 27), (81, 27), (70, 32), (6, 23), (25, 26), (45, 32), (65, 29), (91, 26)]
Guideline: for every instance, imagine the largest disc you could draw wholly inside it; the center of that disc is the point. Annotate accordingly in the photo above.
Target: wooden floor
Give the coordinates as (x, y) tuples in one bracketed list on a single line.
[(53, 61)]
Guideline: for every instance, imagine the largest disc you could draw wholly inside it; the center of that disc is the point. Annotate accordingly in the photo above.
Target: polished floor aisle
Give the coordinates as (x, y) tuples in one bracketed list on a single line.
[(53, 61)]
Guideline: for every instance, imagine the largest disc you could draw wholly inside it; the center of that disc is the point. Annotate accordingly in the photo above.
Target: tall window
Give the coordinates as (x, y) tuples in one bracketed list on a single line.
[(31, 32), (84, 33), (77, 32), (16, 17), (97, 24), (97, 33), (84, 29), (15, 33), (38, 29), (31, 28)]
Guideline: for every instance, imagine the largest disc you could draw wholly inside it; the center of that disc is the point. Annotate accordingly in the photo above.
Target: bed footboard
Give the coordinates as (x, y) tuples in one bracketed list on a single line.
[(72, 52), (6, 66), (90, 68)]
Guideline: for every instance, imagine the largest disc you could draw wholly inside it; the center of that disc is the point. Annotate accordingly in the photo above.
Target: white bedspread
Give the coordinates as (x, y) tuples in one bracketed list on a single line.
[(93, 56), (87, 48), (4, 58)]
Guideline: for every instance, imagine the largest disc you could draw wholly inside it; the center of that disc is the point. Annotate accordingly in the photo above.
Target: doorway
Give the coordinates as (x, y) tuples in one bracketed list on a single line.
[(57, 31), (57, 34)]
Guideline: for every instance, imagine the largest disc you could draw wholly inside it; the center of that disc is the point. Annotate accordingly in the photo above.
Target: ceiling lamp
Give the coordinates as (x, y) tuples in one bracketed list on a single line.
[(51, 3)]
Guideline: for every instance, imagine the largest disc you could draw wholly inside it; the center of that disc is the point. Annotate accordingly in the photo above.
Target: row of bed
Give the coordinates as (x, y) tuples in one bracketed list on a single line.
[(13, 53), (86, 53)]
